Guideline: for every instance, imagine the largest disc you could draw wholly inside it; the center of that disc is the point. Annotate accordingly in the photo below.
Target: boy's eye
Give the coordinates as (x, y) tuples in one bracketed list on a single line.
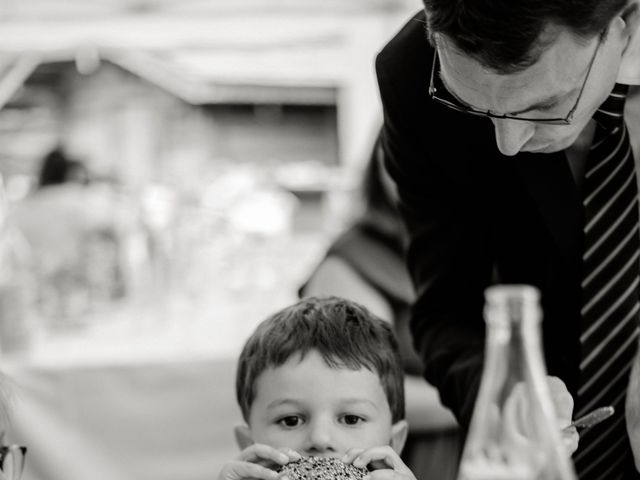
[(352, 419), (291, 421)]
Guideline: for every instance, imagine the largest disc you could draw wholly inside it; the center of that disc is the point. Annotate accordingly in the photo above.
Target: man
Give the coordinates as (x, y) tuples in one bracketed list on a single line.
[(496, 117)]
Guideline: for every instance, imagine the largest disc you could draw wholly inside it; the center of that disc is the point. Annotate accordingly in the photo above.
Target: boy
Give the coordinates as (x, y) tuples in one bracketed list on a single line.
[(320, 378)]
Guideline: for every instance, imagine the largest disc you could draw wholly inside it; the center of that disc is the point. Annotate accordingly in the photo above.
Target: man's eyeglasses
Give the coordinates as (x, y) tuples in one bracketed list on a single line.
[(12, 462), (439, 93)]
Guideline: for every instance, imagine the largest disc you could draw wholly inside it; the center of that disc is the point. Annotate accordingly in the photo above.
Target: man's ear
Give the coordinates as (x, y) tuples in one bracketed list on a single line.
[(629, 72), (630, 14), (399, 431), (243, 436)]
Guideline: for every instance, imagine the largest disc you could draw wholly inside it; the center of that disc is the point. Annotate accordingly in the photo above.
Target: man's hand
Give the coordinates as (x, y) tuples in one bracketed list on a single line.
[(258, 462), (518, 413), (384, 462), (563, 403)]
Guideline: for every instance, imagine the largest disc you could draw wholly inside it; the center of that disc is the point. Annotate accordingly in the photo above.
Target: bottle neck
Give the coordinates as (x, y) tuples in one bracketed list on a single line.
[(513, 349)]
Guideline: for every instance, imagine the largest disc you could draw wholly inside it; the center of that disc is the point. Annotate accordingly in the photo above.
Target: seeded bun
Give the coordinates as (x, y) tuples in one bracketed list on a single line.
[(320, 468)]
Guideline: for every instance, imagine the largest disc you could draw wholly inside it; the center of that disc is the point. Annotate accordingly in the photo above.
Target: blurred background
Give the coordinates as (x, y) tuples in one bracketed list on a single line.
[(171, 173)]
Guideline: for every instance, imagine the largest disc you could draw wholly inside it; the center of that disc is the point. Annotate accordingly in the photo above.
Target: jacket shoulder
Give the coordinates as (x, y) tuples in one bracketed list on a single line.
[(408, 53)]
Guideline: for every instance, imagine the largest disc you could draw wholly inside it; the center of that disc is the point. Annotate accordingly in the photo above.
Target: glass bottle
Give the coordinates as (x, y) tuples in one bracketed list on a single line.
[(513, 433)]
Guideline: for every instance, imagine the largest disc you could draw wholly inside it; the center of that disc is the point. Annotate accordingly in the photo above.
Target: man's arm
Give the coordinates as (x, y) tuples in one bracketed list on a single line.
[(449, 257)]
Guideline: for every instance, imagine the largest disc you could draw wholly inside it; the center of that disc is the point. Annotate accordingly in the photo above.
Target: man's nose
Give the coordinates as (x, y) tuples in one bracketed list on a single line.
[(512, 135), (320, 438)]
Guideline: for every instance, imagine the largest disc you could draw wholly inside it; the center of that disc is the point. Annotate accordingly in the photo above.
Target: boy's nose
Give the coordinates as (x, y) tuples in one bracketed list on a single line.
[(320, 439), (512, 135)]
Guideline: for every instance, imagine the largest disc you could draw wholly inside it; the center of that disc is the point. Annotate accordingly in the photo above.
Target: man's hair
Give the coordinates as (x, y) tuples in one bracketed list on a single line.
[(345, 333), (508, 35)]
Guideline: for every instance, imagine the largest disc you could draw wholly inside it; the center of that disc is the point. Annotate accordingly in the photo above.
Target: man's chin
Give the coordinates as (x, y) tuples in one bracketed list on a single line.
[(549, 148), (545, 149)]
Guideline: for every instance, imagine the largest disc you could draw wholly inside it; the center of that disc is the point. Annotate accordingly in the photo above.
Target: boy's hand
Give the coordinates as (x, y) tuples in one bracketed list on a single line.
[(384, 463), (258, 461)]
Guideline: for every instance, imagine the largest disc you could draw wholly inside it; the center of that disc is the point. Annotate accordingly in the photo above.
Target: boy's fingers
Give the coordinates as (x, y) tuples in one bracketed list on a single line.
[(291, 454), (351, 455), (381, 458), (245, 470), (259, 453), (389, 475), (254, 470)]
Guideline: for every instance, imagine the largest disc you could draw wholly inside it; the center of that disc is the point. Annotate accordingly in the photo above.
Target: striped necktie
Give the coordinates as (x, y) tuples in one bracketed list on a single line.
[(611, 270)]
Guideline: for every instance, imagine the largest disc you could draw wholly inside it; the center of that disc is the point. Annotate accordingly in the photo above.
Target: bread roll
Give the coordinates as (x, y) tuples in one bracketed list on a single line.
[(320, 468)]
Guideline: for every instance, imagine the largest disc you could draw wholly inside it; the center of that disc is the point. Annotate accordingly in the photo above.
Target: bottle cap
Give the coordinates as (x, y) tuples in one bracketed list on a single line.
[(504, 293)]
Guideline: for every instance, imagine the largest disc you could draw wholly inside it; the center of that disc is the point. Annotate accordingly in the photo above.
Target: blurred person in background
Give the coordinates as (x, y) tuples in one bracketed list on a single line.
[(366, 264), (57, 169), (74, 228)]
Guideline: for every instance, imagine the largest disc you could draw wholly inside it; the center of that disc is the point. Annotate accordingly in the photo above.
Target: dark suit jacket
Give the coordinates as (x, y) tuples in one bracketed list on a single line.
[(475, 216)]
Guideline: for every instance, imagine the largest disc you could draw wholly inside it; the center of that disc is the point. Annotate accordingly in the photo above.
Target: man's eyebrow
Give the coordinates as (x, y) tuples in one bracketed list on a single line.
[(448, 88), (545, 102), (541, 104)]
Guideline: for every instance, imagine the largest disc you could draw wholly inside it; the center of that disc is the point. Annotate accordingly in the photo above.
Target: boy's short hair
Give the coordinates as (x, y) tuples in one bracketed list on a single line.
[(345, 333)]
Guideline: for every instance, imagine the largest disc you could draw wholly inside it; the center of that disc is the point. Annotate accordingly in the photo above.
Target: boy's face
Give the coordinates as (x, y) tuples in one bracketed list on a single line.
[(318, 410)]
